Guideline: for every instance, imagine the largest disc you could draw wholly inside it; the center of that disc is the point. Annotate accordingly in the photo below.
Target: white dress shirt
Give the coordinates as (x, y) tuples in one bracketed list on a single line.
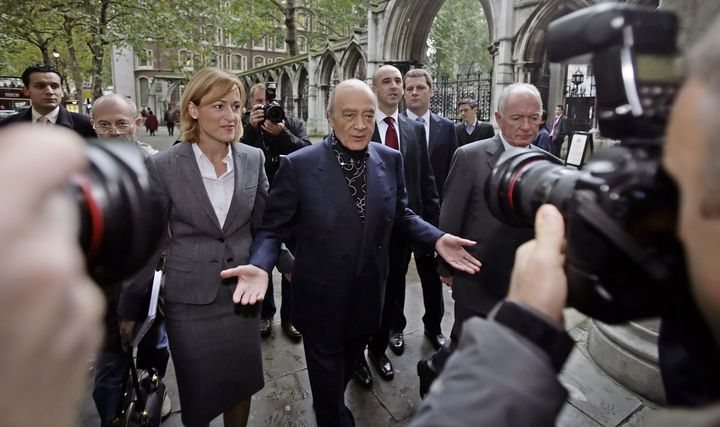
[(52, 116), (219, 189), (426, 123), (383, 127)]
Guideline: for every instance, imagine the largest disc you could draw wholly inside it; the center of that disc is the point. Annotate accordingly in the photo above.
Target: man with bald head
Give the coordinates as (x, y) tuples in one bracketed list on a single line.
[(115, 116), (339, 200)]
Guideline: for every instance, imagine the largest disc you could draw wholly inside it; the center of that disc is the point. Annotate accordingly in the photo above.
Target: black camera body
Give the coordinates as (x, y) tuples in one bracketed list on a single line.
[(120, 216), (623, 258), (273, 111)]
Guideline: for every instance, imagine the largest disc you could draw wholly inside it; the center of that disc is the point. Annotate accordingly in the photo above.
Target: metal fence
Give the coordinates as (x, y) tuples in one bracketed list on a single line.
[(448, 92)]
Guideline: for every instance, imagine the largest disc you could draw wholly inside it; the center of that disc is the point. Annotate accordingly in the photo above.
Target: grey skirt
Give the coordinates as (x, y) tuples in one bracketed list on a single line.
[(216, 352)]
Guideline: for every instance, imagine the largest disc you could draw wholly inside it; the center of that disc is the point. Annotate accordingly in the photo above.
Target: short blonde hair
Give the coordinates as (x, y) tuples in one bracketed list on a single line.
[(212, 82)]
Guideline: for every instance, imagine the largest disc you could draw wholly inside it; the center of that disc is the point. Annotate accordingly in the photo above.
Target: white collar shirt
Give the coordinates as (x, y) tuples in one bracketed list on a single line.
[(51, 116), (219, 189), (426, 122), (510, 147), (383, 127)]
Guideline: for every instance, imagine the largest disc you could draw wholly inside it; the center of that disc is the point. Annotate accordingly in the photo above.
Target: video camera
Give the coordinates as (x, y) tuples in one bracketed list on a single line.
[(273, 111), (120, 223), (623, 258)]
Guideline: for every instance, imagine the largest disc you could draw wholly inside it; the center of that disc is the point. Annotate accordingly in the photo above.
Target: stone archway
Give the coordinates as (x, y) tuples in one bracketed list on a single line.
[(286, 93), (353, 62)]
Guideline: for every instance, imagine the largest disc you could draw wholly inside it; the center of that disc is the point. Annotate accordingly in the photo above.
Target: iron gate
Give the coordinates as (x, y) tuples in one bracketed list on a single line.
[(448, 92)]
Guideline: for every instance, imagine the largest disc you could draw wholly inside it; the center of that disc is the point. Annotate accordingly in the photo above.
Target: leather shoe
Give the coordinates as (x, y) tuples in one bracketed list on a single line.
[(361, 372), (383, 366), (291, 332), (427, 374), (397, 343), (265, 328), (436, 340)]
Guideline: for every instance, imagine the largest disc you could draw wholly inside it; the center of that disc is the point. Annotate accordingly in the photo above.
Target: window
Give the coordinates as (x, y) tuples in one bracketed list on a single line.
[(302, 44), (258, 61), (237, 62), (260, 43), (301, 20), (144, 90), (219, 37), (279, 41), (145, 58)]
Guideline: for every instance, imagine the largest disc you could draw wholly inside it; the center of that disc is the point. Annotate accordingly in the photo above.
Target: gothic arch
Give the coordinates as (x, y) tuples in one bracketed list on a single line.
[(407, 25), (354, 62)]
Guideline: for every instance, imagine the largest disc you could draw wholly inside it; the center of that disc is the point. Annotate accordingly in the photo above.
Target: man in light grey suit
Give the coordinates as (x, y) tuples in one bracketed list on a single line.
[(465, 212)]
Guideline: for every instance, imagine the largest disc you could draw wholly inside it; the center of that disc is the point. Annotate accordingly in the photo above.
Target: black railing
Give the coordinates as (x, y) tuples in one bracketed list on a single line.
[(448, 92)]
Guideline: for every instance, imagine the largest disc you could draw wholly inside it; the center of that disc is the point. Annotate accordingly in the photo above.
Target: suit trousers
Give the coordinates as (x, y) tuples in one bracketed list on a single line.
[(432, 290), (330, 369), (399, 259), (268, 305)]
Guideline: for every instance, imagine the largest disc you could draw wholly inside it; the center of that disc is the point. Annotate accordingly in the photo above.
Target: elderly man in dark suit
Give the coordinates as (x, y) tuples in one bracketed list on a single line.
[(340, 199), (465, 211), (399, 132), (442, 143), (44, 86), (471, 129)]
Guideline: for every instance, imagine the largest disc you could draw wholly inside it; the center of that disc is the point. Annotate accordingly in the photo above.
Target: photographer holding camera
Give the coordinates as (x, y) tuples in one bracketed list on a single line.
[(267, 127), (482, 383)]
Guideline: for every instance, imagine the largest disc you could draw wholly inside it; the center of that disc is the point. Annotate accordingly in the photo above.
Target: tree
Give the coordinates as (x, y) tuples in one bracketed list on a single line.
[(459, 39)]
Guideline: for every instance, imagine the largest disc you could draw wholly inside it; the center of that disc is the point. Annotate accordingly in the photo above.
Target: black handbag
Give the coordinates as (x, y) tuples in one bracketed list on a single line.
[(143, 390), (142, 398)]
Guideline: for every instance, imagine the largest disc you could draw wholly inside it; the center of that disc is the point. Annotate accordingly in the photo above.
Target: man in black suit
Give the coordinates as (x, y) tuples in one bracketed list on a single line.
[(340, 200), (398, 132), (559, 130), (44, 86), (442, 143), (471, 129), (275, 139), (465, 211)]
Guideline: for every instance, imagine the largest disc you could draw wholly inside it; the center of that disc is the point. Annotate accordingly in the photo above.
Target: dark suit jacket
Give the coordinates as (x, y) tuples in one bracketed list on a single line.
[(77, 122), (419, 180), (341, 265), (199, 248), (292, 138), (441, 147), (561, 130), (465, 213), (482, 130)]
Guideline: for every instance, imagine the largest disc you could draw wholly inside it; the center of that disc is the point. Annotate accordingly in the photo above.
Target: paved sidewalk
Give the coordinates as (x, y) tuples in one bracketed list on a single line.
[(595, 398)]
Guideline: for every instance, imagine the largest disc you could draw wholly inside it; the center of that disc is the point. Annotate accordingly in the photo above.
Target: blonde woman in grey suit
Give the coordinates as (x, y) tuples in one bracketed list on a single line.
[(213, 191)]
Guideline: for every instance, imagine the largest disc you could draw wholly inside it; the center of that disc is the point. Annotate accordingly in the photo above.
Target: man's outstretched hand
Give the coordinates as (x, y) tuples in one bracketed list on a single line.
[(451, 249), (252, 282)]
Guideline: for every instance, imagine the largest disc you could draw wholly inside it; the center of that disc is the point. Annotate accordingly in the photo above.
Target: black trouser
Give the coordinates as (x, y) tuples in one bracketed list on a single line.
[(399, 259), (432, 289), (268, 305), (329, 369)]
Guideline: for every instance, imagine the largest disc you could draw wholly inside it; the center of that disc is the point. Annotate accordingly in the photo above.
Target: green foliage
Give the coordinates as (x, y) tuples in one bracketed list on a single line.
[(459, 39), (84, 31)]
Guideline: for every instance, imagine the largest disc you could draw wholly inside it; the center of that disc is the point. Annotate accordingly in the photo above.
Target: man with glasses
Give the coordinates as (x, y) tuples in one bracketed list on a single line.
[(116, 116), (43, 84), (464, 212)]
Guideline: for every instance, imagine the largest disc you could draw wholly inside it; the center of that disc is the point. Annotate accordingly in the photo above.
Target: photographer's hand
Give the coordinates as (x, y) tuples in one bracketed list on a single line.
[(273, 128), (257, 115), (50, 311), (538, 278)]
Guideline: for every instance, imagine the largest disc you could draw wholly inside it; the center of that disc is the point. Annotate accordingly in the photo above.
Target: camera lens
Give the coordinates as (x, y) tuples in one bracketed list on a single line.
[(274, 112), (523, 180), (119, 221)]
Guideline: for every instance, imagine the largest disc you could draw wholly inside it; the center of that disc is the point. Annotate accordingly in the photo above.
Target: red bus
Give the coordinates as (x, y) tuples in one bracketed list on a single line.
[(13, 98)]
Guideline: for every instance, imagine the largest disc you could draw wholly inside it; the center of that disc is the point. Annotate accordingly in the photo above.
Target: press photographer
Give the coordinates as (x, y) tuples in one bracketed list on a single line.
[(481, 382), (269, 128)]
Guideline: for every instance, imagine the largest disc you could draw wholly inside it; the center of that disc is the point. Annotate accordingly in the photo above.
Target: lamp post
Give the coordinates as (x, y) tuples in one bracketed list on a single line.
[(577, 78)]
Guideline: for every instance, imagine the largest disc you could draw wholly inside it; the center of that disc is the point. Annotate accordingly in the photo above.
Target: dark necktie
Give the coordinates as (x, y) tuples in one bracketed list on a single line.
[(391, 139)]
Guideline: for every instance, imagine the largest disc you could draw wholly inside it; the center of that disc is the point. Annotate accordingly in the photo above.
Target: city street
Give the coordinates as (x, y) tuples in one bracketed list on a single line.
[(595, 399)]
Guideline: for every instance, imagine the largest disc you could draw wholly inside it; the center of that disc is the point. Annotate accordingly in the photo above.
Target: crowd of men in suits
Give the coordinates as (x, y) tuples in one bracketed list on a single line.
[(352, 292)]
